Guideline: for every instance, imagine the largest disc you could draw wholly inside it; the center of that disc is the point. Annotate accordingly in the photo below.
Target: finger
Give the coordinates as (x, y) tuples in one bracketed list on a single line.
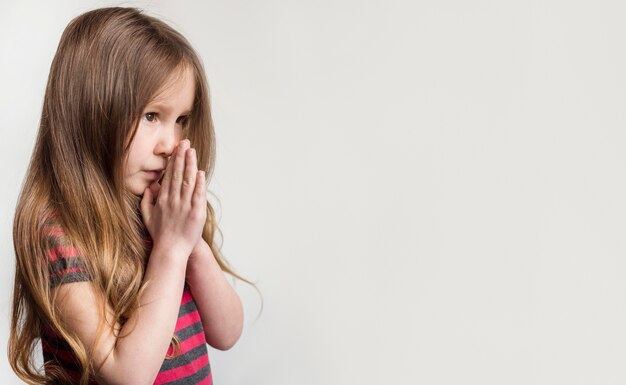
[(167, 175), (146, 205), (155, 187), (189, 177), (199, 194), (178, 168)]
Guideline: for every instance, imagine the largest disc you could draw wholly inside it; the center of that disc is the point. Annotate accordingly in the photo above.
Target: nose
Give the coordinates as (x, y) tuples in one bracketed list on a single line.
[(168, 139)]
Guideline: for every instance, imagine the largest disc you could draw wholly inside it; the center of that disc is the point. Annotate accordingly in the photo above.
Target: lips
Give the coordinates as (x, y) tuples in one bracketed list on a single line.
[(153, 174)]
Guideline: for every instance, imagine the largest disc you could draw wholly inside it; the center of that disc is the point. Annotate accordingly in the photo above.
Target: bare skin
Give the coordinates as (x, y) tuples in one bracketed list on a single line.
[(218, 303), (175, 219), (174, 213)]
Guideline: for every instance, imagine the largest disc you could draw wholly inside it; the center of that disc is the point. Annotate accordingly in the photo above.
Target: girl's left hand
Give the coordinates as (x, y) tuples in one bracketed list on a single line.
[(201, 246)]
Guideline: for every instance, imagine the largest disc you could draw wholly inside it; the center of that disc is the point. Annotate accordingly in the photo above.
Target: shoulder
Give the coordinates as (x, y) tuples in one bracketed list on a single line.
[(56, 240), (65, 261)]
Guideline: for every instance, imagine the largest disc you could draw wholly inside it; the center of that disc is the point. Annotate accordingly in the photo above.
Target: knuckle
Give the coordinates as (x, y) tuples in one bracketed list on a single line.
[(195, 215), (162, 205)]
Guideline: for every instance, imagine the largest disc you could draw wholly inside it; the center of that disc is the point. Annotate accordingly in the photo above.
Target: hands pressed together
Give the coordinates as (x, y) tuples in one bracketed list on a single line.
[(174, 212)]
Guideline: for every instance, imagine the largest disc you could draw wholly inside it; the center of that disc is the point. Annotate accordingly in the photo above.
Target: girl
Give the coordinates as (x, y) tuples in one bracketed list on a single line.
[(117, 273)]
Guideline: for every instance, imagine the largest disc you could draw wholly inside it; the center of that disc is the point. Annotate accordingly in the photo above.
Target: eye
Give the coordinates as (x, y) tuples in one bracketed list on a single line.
[(150, 116), (182, 119)]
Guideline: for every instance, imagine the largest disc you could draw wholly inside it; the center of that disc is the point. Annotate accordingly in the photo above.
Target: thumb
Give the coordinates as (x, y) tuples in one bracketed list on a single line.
[(154, 189), (146, 204)]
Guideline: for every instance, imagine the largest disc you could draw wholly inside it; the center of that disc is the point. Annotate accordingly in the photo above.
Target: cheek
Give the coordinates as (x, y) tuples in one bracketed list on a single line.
[(132, 159), (136, 151), (126, 167)]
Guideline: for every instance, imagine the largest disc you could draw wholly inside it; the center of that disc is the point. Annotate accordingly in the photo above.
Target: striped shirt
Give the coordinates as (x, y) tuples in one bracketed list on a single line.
[(190, 366)]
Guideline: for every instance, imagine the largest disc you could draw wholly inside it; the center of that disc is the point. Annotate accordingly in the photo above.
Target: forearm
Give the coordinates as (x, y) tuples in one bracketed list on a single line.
[(218, 303), (138, 355), (174, 214)]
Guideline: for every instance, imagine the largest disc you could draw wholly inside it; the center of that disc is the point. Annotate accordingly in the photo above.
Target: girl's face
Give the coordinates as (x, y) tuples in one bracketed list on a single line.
[(159, 131)]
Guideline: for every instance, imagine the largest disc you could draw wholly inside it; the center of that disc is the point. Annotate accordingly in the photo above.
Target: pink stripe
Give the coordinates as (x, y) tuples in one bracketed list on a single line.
[(193, 341), (189, 343), (181, 371), (67, 252), (50, 332), (187, 319), (62, 354), (186, 297), (63, 252), (53, 231)]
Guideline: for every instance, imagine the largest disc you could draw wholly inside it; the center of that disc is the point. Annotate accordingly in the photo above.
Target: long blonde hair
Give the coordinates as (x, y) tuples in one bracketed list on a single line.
[(109, 63)]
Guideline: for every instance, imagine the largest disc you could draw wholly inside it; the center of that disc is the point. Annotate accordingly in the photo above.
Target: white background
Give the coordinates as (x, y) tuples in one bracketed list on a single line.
[(427, 192)]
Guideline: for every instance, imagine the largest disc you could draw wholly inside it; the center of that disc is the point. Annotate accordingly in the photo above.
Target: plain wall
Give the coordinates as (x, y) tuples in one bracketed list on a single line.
[(427, 192)]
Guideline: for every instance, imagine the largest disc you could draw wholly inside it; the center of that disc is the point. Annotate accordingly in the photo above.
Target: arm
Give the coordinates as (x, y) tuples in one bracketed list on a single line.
[(218, 303), (131, 359), (175, 219)]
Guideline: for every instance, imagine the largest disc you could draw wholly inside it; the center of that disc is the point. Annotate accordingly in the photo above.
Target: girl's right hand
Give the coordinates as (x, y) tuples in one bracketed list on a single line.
[(175, 215)]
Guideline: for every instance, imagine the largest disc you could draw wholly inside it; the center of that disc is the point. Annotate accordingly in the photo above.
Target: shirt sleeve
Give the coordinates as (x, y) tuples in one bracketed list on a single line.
[(65, 262)]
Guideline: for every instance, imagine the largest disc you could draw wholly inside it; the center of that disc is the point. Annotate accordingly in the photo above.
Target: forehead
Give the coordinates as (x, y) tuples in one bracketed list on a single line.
[(178, 92)]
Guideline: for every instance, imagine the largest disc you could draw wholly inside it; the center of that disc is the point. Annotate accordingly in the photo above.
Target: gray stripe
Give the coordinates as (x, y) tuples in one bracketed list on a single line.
[(189, 331), (186, 358), (55, 241), (77, 276), (67, 263), (187, 308), (190, 355), (57, 268), (194, 378)]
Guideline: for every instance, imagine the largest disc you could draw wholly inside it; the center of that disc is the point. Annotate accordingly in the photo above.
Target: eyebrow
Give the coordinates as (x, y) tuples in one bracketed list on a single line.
[(166, 108)]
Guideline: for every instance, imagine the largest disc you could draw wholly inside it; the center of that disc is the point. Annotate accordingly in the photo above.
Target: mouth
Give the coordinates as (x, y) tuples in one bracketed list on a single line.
[(153, 174)]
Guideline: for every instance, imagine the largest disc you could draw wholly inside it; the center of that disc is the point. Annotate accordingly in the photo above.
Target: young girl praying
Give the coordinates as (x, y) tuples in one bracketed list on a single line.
[(117, 272)]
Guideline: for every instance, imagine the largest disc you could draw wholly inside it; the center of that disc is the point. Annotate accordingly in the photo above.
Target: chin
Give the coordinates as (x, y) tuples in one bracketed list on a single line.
[(136, 189)]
